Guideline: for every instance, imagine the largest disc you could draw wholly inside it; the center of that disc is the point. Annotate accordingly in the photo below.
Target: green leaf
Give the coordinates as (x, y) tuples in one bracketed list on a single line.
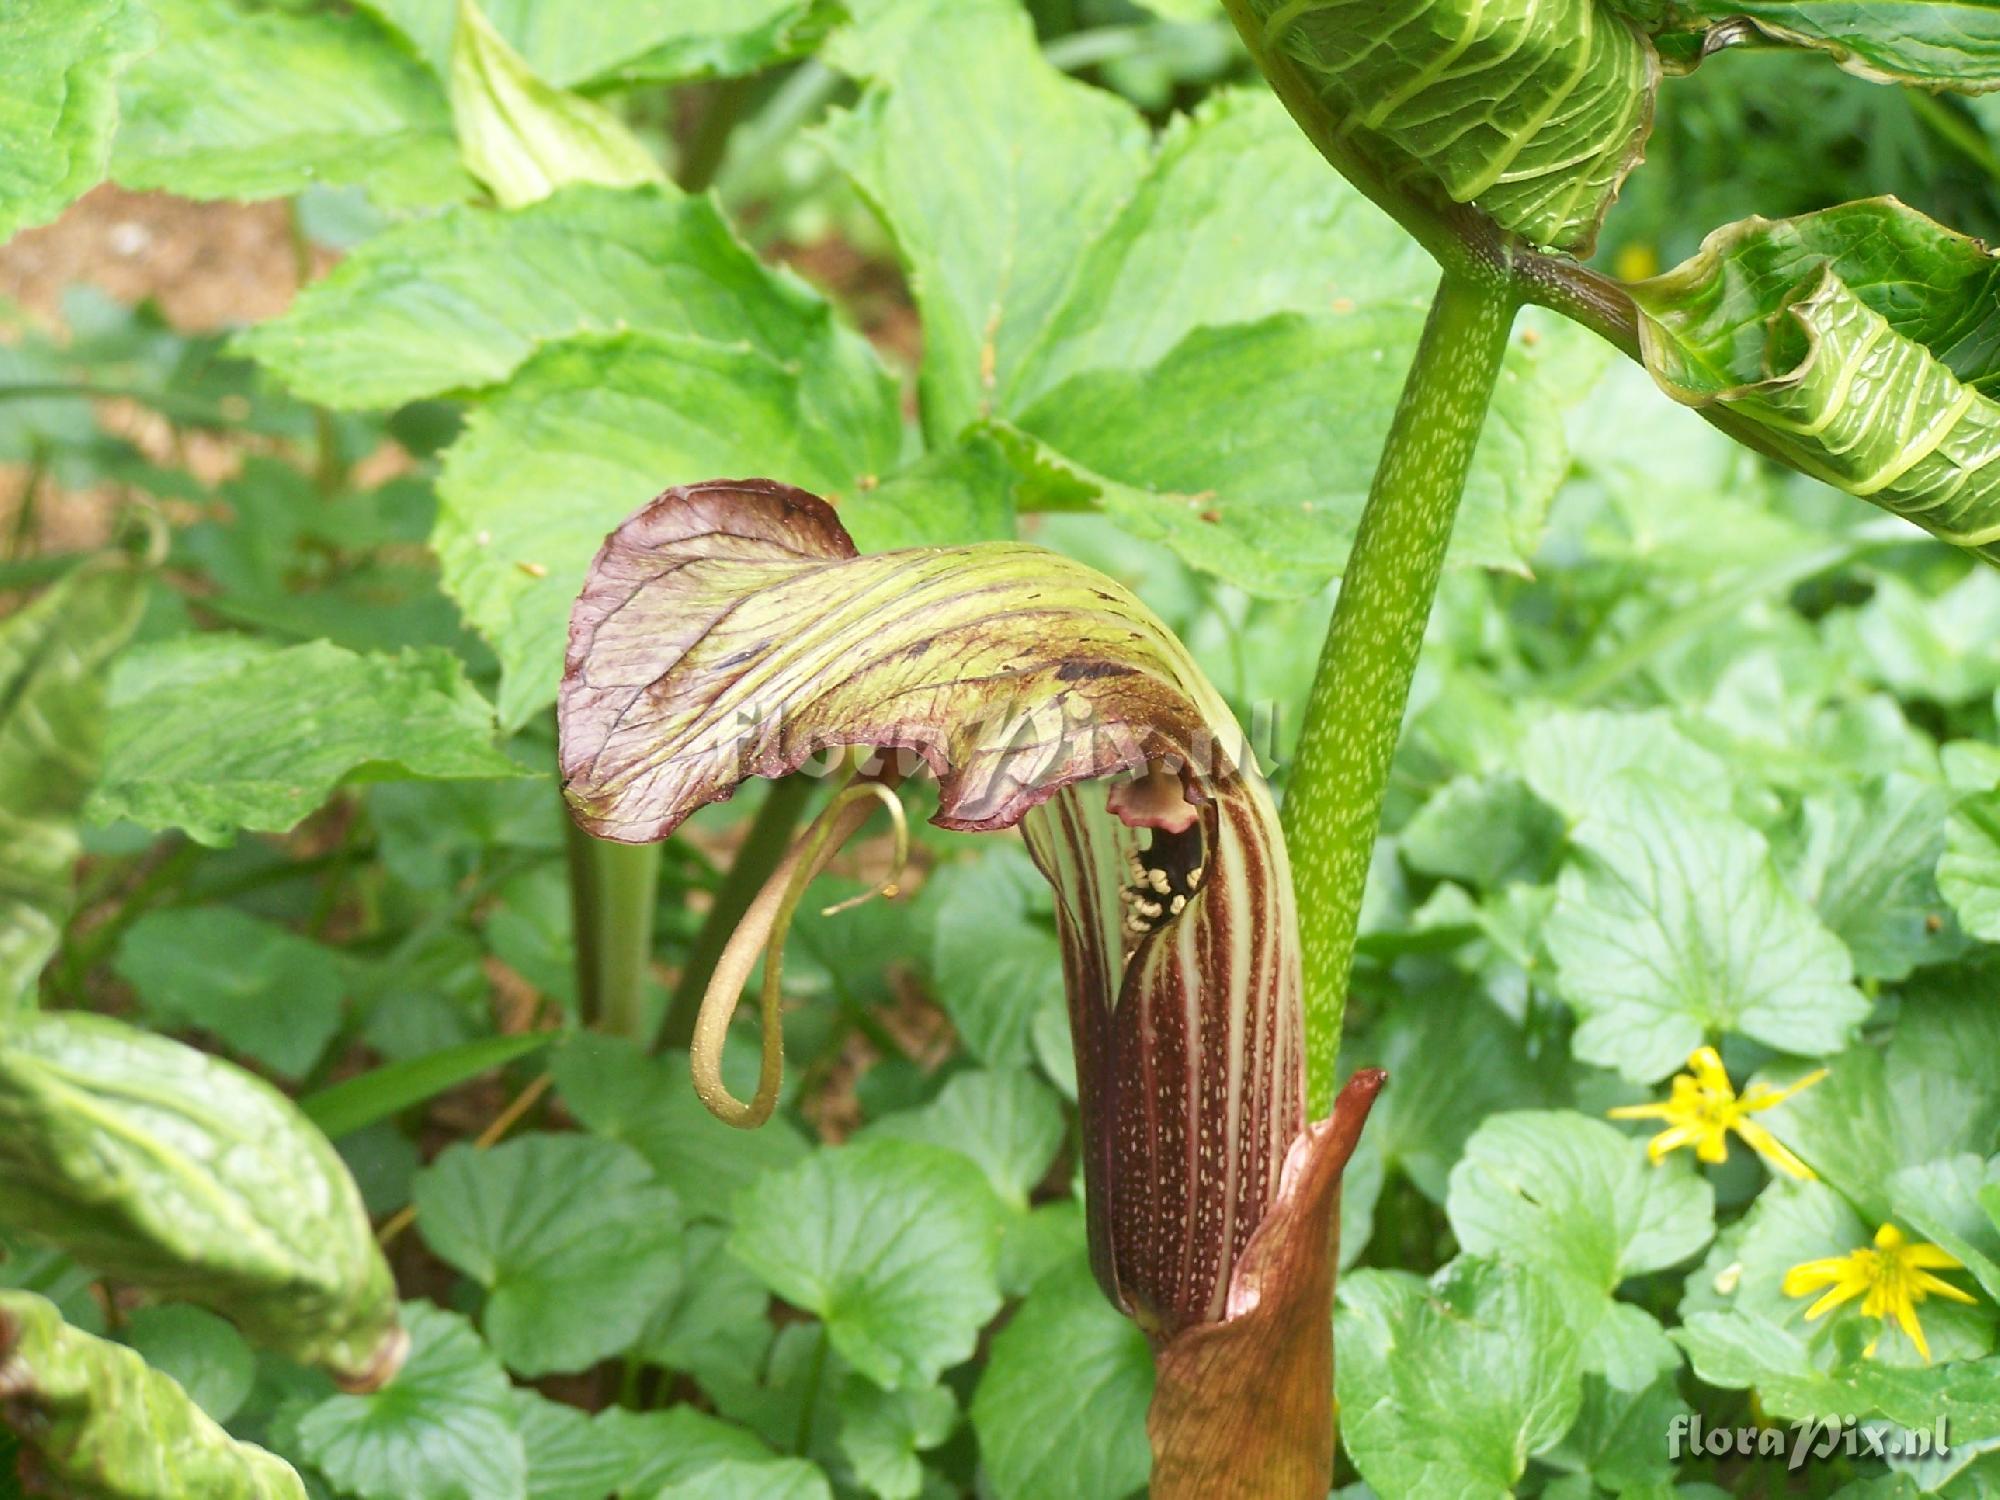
[(668, 1447), (713, 1324), (446, 1428), (1941, 1201), (1674, 926), (1617, 1436), (524, 139), (100, 1423), (267, 992), (1939, 44), (1535, 114), (235, 102), (58, 73), (752, 1479), (355, 1103), (632, 41), (993, 172), (606, 423), (1489, 831), (1302, 404), (1569, 757), (995, 961), (1448, 1387), (649, 1104), (1061, 1408), (1928, 1093), (52, 688), (882, 1432), (568, 1458), (214, 733), (1007, 1122), (573, 1240), (181, 1173), (1576, 1198), (1866, 862), (462, 300), (890, 1242), (1968, 872), (1176, 256), (969, 492), (1455, 1059), (198, 1351), (1853, 345)]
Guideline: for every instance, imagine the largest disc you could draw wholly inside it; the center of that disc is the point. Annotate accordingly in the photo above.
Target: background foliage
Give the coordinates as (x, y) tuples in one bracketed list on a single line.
[(1700, 749)]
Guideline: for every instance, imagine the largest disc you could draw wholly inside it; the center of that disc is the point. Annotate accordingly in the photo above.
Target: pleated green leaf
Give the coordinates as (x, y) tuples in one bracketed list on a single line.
[(52, 673), (1533, 111), (1857, 345), (97, 1423), (181, 1173)]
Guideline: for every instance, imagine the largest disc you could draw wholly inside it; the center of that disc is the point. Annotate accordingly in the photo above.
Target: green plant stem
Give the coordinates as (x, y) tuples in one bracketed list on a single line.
[(1355, 712), (763, 846), (612, 891), (709, 145)]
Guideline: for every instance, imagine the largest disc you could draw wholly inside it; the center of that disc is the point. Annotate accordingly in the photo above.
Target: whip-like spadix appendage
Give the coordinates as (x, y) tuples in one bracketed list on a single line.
[(729, 630)]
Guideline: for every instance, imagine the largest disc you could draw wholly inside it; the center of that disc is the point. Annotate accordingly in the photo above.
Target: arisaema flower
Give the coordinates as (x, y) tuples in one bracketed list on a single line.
[(1891, 1279), (730, 630), (1702, 1108)]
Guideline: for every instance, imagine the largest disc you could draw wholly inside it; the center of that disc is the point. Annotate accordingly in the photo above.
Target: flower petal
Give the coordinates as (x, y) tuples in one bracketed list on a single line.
[(1774, 1151)]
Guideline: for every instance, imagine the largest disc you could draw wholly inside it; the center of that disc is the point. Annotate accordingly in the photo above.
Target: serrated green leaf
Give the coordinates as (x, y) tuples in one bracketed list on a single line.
[(1866, 862), (1060, 1410), (522, 137), (235, 102), (104, 1426), (892, 1243), (1968, 871), (215, 733), (606, 423), (464, 299), (714, 1324), (1248, 449), (183, 1174), (1576, 1198), (1851, 344), (574, 1241), (628, 40), (1940, 44), (1617, 1436), (265, 991), (1675, 926), (59, 66), (1534, 113), (1448, 1387), (994, 956), (969, 492), (52, 689), (446, 1428), (618, 1092), (198, 1351), (990, 220)]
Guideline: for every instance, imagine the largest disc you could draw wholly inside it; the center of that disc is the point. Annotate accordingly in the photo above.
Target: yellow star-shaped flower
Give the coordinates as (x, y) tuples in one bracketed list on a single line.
[(1891, 1279), (1703, 1108)]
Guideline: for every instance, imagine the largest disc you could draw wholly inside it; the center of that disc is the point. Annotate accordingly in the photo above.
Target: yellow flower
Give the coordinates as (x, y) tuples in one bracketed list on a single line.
[(1703, 1108), (1891, 1280)]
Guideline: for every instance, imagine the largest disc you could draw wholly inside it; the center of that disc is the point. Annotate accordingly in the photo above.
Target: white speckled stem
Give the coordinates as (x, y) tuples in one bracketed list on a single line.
[(1355, 714)]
